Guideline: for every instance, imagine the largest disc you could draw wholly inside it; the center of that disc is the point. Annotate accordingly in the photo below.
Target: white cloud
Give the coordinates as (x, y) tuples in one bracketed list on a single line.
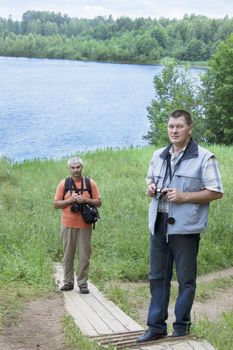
[(92, 11), (117, 8)]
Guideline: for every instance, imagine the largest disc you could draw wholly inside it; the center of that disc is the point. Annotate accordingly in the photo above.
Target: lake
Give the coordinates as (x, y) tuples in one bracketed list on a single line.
[(54, 108)]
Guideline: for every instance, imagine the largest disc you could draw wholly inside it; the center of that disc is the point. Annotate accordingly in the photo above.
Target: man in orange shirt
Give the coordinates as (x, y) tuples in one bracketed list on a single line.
[(75, 233)]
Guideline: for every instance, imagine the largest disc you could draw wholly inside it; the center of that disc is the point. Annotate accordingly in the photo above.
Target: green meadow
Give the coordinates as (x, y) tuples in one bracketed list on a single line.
[(30, 226)]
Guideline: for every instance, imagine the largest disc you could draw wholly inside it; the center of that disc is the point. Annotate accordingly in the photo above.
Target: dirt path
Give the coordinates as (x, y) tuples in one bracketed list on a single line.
[(40, 324), (39, 327), (212, 308)]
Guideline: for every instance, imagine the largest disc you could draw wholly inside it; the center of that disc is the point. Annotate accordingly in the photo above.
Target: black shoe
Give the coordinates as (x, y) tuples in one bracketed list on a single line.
[(180, 334), (84, 289), (67, 287), (150, 335)]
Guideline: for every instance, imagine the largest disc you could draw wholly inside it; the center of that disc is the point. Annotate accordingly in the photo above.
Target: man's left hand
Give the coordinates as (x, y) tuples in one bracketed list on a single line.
[(80, 199), (172, 195)]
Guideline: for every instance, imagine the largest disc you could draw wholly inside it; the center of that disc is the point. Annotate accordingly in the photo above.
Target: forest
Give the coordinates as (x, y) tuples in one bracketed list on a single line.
[(46, 34)]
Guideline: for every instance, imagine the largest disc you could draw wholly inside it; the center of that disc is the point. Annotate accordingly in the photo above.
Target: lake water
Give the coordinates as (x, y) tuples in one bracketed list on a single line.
[(53, 108)]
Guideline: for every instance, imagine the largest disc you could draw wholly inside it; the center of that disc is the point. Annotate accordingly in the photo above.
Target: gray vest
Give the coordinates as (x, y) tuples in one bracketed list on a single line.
[(189, 217)]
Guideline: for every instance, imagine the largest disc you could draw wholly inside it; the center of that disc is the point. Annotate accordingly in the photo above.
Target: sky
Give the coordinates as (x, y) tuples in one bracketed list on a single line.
[(118, 8)]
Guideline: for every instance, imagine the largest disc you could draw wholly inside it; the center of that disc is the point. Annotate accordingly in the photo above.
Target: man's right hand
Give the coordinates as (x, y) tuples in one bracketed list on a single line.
[(74, 196), (151, 190)]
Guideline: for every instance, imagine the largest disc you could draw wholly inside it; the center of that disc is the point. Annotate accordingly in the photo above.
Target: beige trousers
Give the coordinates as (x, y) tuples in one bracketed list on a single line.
[(76, 239)]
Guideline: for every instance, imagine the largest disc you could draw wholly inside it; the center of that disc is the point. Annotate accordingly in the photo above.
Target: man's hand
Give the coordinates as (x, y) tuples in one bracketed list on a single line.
[(151, 190), (172, 195), (78, 198), (203, 196)]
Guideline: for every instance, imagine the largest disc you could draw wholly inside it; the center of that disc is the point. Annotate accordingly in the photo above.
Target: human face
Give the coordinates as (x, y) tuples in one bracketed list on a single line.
[(76, 170), (179, 132)]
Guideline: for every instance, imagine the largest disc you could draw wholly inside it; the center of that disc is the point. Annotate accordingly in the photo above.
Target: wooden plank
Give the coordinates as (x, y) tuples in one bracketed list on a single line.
[(74, 306), (181, 346), (81, 306), (155, 347), (101, 319), (82, 323), (112, 315), (127, 321), (121, 340), (207, 345), (196, 345), (201, 345), (114, 324), (110, 337)]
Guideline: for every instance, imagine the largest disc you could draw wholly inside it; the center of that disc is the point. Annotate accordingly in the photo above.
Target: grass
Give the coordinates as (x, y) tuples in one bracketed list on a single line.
[(208, 290), (218, 333), (30, 239), (76, 339), (131, 296), (12, 297)]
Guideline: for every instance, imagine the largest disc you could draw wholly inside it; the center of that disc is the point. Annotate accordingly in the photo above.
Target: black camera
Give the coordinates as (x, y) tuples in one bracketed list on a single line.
[(75, 207), (159, 193)]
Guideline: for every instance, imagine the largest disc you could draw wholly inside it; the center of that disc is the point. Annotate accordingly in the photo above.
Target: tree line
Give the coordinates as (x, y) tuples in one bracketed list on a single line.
[(209, 102), (141, 40)]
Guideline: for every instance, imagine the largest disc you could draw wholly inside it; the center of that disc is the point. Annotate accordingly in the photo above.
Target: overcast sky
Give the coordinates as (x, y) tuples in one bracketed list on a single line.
[(118, 8)]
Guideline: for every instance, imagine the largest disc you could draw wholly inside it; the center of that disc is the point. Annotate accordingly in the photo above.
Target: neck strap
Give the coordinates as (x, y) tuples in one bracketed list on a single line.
[(74, 187)]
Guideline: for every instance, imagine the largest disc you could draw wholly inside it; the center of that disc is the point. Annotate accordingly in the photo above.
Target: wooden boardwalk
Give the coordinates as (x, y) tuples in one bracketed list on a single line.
[(103, 321)]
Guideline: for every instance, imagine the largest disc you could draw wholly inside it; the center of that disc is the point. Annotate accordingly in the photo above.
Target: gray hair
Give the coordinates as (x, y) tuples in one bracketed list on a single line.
[(75, 160)]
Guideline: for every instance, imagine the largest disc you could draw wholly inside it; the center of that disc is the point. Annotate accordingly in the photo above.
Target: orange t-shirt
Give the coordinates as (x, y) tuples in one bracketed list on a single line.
[(70, 219)]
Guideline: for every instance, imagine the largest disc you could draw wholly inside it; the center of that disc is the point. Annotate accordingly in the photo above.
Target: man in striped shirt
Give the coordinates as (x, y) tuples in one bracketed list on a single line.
[(183, 178)]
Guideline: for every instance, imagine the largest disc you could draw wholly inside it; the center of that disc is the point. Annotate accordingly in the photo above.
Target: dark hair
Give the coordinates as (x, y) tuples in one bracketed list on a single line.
[(181, 113)]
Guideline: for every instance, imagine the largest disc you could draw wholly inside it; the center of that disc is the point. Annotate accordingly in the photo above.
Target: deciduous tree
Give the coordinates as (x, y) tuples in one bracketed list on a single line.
[(174, 89), (217, 95)]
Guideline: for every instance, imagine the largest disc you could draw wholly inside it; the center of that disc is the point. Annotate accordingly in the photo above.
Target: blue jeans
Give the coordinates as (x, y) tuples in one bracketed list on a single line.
[(181, 250)]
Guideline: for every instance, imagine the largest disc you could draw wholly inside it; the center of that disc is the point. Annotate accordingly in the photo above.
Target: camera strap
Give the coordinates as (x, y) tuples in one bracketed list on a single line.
[(74, 187), (70, 186), (169, 171)]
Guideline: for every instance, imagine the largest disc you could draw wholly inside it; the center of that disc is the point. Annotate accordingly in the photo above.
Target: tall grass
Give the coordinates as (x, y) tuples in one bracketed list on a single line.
[(30, 226), (30, 237), (218, 333)]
